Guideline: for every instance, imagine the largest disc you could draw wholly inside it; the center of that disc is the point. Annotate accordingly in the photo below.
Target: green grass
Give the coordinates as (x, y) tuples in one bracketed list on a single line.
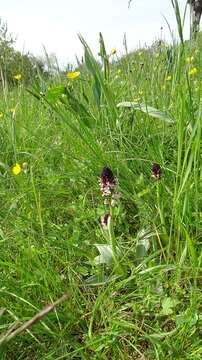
[(144, 301)]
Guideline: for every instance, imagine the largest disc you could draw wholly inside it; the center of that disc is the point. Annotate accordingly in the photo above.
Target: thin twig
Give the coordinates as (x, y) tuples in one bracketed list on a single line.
[(9, 335)]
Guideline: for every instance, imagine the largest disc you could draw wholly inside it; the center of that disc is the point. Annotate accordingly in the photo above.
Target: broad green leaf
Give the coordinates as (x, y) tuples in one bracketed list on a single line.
[(97, 92), (143, 242), (98, 279), (167, 305), (149, 110), (186, 318), (106, 254)]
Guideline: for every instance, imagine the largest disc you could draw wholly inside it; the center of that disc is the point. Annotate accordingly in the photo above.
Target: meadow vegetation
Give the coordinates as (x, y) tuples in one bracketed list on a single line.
[(117, 140)]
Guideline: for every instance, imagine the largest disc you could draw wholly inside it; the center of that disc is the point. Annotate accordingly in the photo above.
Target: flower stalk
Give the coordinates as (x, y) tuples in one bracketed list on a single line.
[(109, 189), (157, 175)]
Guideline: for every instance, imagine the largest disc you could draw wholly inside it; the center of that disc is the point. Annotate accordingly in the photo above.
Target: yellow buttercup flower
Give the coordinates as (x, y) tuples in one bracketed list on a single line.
[(12, 110), (189, 59), (193, 71), (168, 78), (16, 169), (1, 114), (73, 75), (113, 51), (18, 77)]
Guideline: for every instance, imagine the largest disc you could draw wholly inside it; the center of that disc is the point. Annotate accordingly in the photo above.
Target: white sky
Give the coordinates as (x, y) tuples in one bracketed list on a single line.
[(55, 24)]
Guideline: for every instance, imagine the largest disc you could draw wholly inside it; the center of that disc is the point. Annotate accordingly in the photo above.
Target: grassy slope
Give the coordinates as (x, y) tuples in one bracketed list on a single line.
[(50, 214)]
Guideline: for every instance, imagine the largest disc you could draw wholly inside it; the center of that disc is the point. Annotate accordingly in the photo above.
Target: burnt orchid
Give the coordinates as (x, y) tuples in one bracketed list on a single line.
[(108, 186), (109, 189), (156, 171), (107, 181)]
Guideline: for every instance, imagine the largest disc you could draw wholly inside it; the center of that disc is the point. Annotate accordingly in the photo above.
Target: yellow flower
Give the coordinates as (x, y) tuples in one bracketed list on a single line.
[(16, 169), (12, 110), (189, 59), (73, 75), (193, 71), (18, 77), (1, 114), (113, 51), (140, 53), (168, 78)]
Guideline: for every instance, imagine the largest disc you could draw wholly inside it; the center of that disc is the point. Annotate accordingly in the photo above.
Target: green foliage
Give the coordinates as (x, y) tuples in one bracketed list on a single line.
[(134, 286), (147, 110), (13, 63)]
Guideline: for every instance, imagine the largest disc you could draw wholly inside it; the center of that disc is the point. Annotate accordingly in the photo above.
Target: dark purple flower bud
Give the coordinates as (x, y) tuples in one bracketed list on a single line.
[(107, 181), (156, 171), (105, 220), (107, 174)]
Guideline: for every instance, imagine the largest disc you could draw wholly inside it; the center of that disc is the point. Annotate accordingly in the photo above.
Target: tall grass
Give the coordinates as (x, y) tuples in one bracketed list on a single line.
[(134, 286)]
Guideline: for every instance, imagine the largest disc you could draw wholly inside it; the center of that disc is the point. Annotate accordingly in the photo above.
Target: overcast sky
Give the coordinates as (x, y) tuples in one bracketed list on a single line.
[(55, 24)]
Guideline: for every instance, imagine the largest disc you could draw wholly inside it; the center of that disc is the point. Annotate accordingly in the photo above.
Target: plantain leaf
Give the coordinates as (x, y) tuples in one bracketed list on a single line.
[(106, 254), (144, 238), (149, 110), (98, 279)]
